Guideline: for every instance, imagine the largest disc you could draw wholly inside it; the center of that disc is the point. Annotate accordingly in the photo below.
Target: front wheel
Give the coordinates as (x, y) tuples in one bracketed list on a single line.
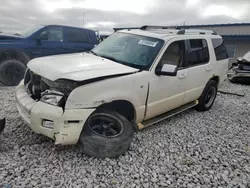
[(208, 96), (11, 72), (106, 134)]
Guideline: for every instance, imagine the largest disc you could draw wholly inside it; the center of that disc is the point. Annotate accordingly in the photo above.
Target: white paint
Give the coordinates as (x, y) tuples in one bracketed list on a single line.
[(79, 66), (168, 68)]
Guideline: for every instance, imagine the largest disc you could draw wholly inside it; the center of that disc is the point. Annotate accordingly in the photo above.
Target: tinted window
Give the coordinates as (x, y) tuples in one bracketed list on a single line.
[(198, 53), (77, 35), (219, 49), (174, 54), (231, 50), (52, 34)]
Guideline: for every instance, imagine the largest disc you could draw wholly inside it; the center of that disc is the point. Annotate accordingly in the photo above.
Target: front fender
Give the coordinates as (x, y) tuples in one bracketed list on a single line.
[(120, 88)]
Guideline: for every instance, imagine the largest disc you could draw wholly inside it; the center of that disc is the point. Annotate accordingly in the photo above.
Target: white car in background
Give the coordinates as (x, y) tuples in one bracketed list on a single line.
[(133, 79), (240, 71)]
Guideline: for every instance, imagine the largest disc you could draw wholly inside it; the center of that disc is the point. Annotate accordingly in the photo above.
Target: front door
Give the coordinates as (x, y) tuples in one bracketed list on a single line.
[(49, 42), (167, 92)]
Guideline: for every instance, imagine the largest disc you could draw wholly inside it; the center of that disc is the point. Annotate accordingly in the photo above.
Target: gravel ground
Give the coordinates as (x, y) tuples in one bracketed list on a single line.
[(192, 149)]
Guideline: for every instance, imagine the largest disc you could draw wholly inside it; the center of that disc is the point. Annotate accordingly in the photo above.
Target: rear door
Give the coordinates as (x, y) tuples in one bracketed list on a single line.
[(221, 58), (199, 68), (77, 40)]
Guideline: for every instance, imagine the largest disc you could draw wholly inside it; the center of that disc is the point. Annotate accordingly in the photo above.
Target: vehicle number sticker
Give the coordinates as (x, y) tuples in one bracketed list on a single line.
[(148, 43)]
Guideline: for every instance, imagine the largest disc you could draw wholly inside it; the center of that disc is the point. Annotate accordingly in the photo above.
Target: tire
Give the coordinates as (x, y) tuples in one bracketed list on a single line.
[(205, 102), (94, 143), (11, 72), (232, 80)]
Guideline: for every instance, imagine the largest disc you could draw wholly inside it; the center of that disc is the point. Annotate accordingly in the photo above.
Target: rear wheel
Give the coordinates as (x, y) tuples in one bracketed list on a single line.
[(208, 96), (11, 72), (106, 134)]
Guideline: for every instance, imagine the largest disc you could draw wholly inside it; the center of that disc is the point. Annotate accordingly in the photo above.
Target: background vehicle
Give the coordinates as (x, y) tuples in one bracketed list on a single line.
[(131, 80), (240, 71), (16, 50)]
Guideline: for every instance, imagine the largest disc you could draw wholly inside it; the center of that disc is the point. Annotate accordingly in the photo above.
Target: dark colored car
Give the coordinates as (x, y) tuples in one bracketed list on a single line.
[(16, 50), (240, 71)]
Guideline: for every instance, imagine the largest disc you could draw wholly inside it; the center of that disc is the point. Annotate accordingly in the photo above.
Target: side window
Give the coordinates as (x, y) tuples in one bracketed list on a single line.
[(198, 53), (231, 49), (219, 49), (52, 34), (174, 54), (77, 35)]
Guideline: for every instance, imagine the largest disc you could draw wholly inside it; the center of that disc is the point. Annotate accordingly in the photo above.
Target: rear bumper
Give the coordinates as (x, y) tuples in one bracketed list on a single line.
[(235, 73), (66, 125)]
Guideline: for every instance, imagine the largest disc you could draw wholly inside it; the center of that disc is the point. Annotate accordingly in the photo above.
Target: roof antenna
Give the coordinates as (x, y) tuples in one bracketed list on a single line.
[(82, 17)]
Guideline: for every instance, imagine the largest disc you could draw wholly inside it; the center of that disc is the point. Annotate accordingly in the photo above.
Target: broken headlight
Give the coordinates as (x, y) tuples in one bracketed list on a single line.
[(53, 97)]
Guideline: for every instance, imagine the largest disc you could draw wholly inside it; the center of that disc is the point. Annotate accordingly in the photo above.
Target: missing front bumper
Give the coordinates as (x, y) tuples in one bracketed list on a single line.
[(67, 125)]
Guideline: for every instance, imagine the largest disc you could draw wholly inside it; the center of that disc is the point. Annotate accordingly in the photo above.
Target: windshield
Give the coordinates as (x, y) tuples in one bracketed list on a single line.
[(131, 50), (29, 32)]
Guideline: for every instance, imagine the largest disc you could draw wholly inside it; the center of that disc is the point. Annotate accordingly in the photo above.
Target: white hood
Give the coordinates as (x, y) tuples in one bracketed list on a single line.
[(78, 67)]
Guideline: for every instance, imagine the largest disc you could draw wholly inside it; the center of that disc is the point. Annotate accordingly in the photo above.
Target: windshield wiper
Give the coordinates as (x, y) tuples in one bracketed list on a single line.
[(94, 53), (113, 59), (122, 62)]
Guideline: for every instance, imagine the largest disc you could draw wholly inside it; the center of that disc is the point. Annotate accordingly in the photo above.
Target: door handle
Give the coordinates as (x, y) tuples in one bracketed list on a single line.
[(209, 68), (182, 76)]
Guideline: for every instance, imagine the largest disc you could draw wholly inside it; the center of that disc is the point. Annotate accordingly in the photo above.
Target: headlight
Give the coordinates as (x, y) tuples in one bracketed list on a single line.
[(53, 97)]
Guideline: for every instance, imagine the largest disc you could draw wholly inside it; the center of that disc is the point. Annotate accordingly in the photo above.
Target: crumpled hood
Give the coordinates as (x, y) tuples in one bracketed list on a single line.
[(78, 67)]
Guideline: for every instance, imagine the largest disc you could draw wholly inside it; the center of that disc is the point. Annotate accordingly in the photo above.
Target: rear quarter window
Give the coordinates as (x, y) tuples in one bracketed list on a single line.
[(77, 35), (219, 49)]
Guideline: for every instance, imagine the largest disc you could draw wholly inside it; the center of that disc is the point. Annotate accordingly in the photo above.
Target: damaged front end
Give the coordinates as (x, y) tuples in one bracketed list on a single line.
[(41, 102), (50, 92), (240, 71)]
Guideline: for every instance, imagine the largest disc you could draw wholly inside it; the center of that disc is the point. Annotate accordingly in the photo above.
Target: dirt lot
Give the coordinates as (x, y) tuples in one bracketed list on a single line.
[(192, 149)]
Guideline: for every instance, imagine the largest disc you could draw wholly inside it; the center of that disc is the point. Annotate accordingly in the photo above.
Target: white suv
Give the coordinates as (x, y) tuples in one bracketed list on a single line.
[(131, 80)]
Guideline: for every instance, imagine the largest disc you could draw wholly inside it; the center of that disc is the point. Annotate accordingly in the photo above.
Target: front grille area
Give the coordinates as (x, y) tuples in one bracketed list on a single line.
[(36, 84), (32, 84)]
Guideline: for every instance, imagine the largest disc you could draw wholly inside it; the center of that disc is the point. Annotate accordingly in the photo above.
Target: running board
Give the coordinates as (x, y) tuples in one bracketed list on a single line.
[(167, 115)]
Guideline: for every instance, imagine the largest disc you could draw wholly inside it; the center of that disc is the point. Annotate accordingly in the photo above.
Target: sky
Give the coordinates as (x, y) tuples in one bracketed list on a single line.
[(104, 15)]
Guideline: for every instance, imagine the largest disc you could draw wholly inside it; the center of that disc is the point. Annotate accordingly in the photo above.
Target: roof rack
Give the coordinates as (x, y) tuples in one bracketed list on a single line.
[(128, 28), (148, 27), (179, 30)]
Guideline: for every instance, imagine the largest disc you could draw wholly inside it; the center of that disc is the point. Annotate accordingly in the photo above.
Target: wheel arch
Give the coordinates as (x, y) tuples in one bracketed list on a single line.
[(14, 54), (216, 78), (123, 107)]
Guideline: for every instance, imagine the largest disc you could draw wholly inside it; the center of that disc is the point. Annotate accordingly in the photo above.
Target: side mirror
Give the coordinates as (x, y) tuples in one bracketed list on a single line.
[(166, 70)]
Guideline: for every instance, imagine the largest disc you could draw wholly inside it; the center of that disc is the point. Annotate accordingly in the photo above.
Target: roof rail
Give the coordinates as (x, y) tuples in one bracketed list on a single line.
[(121, 28), (196, 31), (174, 29), (181, 31), (147, 27)]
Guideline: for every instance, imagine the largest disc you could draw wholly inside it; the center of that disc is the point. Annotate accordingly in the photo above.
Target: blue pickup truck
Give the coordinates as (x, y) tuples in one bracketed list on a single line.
[(16, 50)]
